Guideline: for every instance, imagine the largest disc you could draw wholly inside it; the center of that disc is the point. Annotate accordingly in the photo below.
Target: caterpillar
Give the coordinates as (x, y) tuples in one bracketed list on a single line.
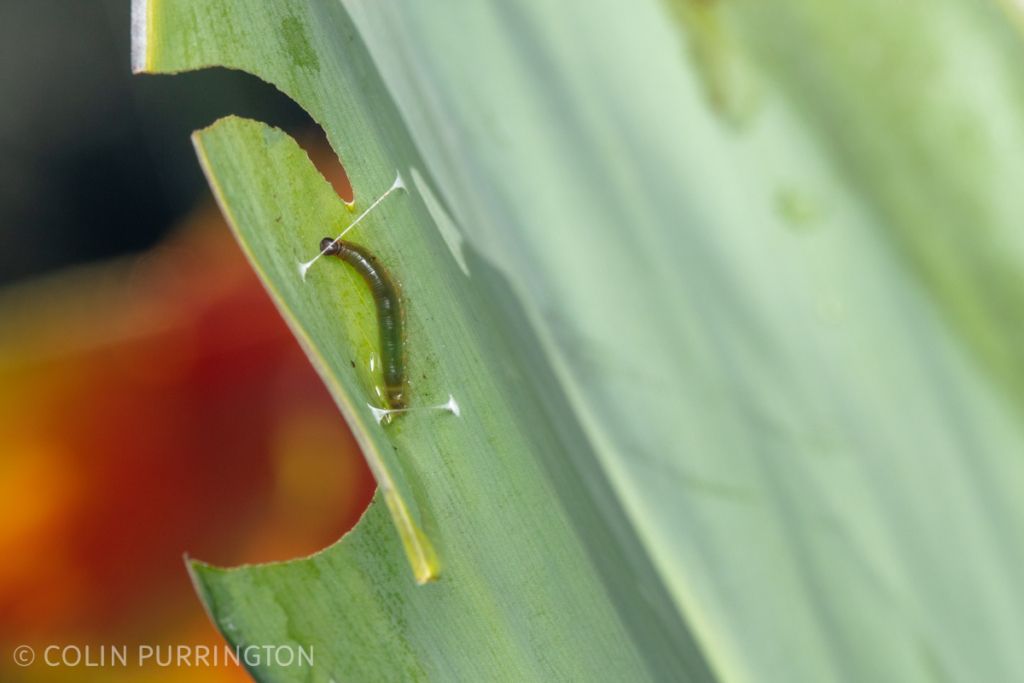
[(390, 322)]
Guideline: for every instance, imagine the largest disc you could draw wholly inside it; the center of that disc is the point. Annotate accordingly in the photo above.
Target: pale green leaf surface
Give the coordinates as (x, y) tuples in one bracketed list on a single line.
[(519, 593), (739, 351)]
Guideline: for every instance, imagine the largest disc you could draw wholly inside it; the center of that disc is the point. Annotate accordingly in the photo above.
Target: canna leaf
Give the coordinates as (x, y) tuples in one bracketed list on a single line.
[(728, 295)]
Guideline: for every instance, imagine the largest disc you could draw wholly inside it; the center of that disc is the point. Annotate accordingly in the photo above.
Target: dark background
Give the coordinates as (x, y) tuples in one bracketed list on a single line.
[(94, 161)]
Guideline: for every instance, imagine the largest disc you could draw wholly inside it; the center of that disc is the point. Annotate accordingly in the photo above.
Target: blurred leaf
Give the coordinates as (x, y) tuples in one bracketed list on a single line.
[(737, 350)]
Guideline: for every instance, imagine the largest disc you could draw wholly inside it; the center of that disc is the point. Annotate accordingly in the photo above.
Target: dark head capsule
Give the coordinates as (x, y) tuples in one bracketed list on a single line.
[(329, 246)]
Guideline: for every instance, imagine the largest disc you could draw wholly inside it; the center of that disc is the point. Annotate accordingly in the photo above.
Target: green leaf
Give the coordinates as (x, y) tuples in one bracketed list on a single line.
[(490, 492), (729, 295)]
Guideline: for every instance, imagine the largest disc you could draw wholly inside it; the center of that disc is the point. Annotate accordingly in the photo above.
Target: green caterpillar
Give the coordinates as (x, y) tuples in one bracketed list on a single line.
[(389, 314)]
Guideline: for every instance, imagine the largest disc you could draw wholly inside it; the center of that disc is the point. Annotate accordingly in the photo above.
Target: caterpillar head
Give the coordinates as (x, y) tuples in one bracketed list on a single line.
[(329, 246)]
